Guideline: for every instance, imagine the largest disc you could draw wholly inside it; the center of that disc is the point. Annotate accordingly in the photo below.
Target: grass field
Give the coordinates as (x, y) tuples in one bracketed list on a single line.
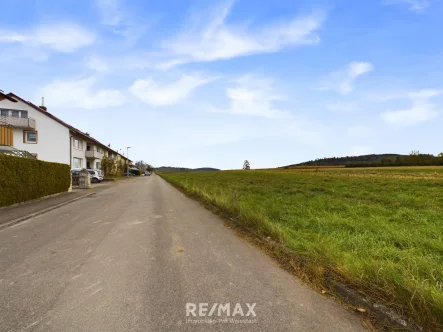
[(380, 230)]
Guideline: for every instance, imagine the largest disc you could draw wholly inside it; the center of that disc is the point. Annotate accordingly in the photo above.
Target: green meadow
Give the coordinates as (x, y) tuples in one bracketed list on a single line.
[(379, 230)]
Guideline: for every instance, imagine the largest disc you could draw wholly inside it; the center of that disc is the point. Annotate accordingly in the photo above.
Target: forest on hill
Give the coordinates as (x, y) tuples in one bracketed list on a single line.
[(415, 158), (169, 169)]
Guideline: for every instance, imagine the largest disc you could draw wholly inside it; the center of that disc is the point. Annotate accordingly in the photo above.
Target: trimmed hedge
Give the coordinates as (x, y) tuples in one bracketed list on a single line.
[(23, 179)]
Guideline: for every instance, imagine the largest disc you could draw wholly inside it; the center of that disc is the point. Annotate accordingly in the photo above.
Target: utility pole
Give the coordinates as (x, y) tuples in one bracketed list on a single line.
[(127, 156)]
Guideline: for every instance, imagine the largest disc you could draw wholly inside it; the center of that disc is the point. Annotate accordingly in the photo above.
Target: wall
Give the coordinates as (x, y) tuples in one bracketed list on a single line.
[(53, 138), (78, 153)]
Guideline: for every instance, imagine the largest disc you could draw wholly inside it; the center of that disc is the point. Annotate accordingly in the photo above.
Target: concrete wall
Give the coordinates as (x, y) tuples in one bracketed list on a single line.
[(53, 138)]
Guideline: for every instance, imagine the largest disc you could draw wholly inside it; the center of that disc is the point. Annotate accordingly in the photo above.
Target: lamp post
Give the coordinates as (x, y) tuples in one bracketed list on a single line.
[(127, 156)]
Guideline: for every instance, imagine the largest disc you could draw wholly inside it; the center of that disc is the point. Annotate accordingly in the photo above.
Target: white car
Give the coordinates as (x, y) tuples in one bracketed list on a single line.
[(96, 175)]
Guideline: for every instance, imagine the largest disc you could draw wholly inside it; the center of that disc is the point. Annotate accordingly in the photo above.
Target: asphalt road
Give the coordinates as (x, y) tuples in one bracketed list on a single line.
[(132, 256)]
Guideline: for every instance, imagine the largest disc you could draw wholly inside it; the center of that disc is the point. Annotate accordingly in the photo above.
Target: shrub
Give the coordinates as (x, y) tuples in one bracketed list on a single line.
[(112, 167), (24, 179)]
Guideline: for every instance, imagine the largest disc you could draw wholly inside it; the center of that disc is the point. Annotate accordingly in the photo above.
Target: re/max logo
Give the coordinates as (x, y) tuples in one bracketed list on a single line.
[(220, 309)]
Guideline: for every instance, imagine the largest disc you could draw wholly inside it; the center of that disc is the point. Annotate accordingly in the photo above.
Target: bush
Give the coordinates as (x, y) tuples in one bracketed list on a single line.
[(24, 179)]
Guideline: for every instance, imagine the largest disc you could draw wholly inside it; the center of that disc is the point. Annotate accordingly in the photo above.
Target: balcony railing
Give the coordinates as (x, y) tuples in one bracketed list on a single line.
[(25, 123), (16, 153), (94, 154)]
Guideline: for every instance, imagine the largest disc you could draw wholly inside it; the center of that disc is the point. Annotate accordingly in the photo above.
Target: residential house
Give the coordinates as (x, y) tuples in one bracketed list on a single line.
[(27, 127)]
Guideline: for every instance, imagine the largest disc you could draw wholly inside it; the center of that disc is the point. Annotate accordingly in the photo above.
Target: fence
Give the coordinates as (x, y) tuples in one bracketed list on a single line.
[(75, 180)]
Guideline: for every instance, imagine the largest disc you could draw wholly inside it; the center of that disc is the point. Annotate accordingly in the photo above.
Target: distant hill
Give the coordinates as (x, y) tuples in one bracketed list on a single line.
[(168, 169), (341, 161)]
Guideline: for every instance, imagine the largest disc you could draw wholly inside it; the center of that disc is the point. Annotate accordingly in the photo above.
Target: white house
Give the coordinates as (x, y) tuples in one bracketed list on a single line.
[(27, 127)]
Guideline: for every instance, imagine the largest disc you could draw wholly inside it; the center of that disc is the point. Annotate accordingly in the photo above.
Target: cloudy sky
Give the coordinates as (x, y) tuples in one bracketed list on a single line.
[(212, 83)]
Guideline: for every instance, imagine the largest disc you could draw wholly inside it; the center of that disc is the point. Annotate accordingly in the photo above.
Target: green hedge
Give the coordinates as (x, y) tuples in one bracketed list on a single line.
[(24, 179)]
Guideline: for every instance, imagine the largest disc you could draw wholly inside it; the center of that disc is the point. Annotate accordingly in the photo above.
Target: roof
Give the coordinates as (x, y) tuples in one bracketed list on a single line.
[(78, 132), (5, 96)]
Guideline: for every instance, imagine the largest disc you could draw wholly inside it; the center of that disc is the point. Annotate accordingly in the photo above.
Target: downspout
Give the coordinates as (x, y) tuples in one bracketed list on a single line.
[(70, 158), (70, 150)]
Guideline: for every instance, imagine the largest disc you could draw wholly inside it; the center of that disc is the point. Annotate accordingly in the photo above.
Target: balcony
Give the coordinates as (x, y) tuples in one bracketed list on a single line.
[(93, 154), (24, 123)]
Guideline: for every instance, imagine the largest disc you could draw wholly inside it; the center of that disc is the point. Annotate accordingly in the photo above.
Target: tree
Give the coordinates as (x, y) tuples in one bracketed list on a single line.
[(440, 154), (246, 165), (143, 167), (140, 165)]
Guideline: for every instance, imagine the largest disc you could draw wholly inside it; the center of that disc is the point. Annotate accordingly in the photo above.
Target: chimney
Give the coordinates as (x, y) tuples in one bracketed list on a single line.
[(43, 107)]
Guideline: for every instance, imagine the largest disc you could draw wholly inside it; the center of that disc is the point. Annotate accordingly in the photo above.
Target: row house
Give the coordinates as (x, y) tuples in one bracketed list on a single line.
[(25, 127)]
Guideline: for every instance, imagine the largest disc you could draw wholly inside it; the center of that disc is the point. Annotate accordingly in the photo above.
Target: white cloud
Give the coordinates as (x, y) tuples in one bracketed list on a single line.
[(343, 80), (11, 37), (421, 111), (80, 94), (165, 94), (122, 22), (253, 96), (98, 64), (65, 38), (417, 6), (425, 94), (388, 96), (110, 11), (214, 39)]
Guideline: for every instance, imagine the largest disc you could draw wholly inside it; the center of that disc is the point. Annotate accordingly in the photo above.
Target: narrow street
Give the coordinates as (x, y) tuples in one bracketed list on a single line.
[(130, 257)]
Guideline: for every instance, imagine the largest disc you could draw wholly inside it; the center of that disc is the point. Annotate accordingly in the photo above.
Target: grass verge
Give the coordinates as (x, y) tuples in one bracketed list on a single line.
[(379, 231)]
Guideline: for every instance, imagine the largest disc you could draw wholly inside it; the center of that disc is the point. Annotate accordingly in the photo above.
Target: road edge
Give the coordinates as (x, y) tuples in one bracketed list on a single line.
[(32, 215)]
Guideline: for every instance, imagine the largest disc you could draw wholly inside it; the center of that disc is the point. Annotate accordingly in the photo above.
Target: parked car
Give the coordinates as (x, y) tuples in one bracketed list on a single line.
[(96, 175), (147, 173)]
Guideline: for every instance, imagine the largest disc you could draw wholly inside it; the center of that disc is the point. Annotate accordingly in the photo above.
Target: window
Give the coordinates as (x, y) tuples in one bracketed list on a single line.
[(99, 150), (77, 162), (14, 113), (97, 165), (30, 137), (77, 144)]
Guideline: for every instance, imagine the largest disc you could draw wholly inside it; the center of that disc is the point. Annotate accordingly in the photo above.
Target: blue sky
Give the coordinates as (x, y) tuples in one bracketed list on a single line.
[(212, 83)]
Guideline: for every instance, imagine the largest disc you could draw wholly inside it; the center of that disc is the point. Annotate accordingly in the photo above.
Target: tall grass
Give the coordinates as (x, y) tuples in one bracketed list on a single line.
[(381, 231)]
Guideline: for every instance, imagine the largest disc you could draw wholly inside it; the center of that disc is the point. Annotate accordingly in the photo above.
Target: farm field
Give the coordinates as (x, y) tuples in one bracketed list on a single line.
[(380, 230)]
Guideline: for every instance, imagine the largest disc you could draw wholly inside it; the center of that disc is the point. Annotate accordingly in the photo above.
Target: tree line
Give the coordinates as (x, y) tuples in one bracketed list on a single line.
[(415, 158)]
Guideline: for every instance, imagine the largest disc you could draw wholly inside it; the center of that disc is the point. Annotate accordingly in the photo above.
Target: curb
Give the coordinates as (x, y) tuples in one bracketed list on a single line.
[(32, 215)]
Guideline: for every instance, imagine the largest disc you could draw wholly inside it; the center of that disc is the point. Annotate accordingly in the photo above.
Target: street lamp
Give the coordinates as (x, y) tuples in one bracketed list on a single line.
[(127, 156)]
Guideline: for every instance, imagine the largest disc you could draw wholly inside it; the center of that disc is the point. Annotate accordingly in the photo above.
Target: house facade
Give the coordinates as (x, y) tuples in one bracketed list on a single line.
[(27, 127), (35, 132)]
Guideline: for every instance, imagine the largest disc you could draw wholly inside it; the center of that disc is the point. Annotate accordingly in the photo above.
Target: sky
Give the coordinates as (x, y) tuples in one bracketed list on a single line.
[(208, 83)]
